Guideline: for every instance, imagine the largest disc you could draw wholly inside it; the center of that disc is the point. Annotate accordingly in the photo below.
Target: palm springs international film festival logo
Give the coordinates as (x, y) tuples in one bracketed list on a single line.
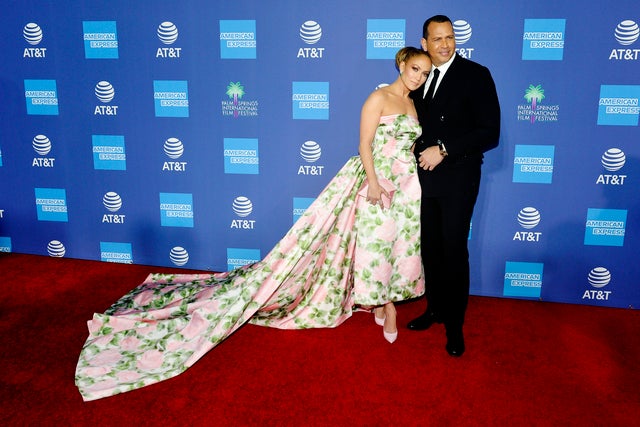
[(168, 35), (626, 33), (534, 111), (463, 32), (32, 34), (310, 34), (234, 106), (598, 278), (612, 161)]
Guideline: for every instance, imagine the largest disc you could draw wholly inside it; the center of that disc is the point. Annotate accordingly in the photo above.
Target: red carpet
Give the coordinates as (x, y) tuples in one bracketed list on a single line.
[(527, 363)]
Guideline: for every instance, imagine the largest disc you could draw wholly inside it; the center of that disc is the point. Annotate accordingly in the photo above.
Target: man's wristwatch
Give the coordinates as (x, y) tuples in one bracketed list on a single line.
[(443, 149)]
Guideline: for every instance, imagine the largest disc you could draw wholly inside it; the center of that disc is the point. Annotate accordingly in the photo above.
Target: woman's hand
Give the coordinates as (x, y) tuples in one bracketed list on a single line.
[(375, 194)]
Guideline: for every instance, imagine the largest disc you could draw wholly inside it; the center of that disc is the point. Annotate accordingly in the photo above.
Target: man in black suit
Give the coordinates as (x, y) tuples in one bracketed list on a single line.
[(460, 120)]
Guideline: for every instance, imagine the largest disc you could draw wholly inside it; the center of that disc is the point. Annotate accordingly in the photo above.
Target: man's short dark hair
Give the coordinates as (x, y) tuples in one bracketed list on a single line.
[(437, 18)]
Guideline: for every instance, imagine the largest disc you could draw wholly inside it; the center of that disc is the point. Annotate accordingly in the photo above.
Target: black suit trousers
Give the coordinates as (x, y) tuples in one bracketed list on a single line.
[(445, 223)]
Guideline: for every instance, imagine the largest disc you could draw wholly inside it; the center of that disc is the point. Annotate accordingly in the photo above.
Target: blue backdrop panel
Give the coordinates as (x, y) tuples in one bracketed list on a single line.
[(193, 135)]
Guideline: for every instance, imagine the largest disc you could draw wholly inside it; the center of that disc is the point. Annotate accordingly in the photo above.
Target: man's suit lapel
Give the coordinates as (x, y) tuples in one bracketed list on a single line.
[(448, 82)]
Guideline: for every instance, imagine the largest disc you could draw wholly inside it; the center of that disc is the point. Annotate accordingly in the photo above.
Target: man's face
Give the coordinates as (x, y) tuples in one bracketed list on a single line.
[(440, 42)]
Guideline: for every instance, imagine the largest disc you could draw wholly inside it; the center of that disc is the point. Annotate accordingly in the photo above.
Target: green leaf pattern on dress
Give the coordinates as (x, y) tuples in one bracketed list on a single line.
[(341, 253)]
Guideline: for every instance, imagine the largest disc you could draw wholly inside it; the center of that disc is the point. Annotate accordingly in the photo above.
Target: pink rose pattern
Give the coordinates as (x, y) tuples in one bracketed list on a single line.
[(387, 258), (330, 262)]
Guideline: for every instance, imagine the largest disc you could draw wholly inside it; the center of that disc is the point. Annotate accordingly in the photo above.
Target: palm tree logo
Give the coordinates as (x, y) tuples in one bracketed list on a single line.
[(533, 95), (235, 91)]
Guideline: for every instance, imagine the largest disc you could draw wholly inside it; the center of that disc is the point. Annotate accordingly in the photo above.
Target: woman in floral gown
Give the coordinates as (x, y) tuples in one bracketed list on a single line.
[(356, 247)]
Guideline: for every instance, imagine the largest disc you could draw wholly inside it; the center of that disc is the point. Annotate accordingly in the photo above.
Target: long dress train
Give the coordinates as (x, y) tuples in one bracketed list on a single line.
[(342, 253)]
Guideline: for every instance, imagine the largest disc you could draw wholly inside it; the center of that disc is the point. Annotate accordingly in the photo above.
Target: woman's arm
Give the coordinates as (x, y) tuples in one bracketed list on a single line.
[(369, 120)]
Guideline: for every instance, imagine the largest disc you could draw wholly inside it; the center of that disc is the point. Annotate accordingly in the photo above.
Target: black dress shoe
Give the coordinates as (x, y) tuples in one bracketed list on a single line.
[(455, 343), (423, 321)]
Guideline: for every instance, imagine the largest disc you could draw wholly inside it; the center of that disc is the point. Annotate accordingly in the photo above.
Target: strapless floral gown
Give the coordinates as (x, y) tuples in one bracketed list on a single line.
[(341, 254)]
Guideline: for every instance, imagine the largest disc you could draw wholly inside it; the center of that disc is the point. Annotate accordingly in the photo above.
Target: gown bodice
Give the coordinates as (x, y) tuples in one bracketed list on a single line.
[(395, 136)]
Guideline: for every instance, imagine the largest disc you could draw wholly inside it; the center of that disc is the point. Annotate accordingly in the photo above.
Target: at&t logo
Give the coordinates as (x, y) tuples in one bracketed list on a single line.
[(310, 33), (626, 34), (310, 152), (56, 249), (179, 256), (168, 35), (174, 149), (612, 160), (105, 93), (42, 146), (462, 31), (598, 278), (242, 207), (112, 202), (528, 218), (33, 35)]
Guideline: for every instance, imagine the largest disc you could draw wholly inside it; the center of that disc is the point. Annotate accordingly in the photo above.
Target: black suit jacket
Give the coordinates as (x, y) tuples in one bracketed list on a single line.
[(465, 115)]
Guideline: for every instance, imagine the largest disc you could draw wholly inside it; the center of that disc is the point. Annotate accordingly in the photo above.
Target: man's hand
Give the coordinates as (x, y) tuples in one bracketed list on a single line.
[(430, 158)]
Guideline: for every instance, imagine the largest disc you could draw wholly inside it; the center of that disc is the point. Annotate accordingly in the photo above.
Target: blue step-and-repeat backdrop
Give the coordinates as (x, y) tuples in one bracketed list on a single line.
[(193, 134)]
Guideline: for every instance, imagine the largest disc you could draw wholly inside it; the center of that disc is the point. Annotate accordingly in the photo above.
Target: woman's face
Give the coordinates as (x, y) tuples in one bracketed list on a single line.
[(415, 71)]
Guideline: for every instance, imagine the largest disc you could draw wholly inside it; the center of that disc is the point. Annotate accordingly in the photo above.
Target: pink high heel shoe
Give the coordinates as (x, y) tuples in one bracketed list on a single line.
[(379, 321), (390, 336)]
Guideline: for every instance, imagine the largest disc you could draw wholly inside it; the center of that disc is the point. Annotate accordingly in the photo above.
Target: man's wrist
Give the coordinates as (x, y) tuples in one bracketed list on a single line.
[(442, 148)]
